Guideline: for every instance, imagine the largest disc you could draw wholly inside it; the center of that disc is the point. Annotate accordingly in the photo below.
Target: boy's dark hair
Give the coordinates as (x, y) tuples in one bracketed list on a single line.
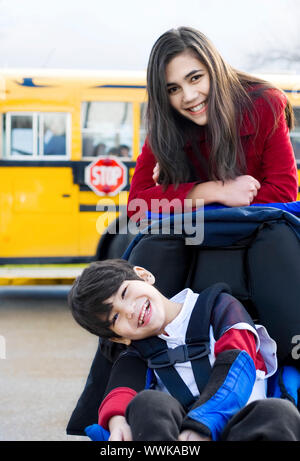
[(98, 282)]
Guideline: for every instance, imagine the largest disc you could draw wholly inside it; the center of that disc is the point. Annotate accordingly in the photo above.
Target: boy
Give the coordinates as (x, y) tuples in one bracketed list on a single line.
[(115, 300)]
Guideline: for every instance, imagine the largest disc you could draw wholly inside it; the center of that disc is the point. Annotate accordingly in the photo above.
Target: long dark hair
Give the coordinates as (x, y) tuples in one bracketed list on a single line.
[(228, 101)]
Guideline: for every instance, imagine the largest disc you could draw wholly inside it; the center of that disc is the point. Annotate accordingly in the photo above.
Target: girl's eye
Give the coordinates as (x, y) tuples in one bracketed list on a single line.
[(172, 90), (196, 77), (123, 293)]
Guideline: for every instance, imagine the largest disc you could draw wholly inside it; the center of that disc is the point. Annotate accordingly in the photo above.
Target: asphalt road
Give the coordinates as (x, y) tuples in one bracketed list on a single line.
[(44, 361)]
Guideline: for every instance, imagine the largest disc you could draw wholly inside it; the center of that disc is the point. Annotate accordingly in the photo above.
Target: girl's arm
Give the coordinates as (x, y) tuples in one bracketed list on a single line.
[(145, 195), (236, 192), (278, 169)]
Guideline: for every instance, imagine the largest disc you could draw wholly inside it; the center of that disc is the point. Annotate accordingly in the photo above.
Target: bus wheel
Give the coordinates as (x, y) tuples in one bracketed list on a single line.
[(114, 240)]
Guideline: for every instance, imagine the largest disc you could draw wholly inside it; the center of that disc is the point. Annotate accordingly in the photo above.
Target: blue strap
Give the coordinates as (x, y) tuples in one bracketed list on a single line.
[(154, 350), (285, 384), (160, 358), (229, 398), (198, 331), (176, 386)]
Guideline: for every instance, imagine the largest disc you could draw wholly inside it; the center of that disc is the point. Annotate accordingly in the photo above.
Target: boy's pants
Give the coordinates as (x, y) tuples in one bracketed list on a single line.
[(155, 415)]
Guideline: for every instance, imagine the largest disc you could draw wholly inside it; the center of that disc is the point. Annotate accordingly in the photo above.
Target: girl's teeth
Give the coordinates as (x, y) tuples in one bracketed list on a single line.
[(199, 107)]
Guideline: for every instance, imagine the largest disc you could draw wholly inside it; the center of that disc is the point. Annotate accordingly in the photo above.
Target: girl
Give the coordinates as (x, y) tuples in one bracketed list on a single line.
[(214, 133)]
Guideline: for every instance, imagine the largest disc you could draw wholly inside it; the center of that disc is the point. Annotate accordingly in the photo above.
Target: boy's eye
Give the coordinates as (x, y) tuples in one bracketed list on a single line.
[(123, 293), (114, 319)]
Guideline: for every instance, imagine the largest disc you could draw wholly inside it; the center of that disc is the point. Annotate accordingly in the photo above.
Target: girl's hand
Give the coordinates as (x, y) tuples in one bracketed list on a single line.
[(239, 191), (234, 192), (155, 174), (119, 429)]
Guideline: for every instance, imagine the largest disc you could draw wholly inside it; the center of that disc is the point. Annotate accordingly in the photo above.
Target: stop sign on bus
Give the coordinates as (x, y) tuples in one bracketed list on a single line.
[(106, 175)]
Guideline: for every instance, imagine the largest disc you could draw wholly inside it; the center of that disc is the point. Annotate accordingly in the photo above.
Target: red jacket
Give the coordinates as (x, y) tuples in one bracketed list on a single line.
[(269, 158)]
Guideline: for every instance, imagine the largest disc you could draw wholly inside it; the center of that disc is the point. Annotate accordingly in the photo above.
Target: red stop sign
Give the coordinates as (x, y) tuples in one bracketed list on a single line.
[(106, 175)]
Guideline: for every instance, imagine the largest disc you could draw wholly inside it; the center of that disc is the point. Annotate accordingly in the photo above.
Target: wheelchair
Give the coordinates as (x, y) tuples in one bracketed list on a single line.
[(255, 250)]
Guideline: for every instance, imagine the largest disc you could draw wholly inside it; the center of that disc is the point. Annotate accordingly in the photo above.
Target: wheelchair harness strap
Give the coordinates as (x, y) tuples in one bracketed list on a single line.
[(197, 348)]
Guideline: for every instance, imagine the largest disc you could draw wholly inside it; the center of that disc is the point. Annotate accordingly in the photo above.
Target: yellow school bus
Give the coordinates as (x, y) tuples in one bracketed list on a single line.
[(54, 125), (290, 84)]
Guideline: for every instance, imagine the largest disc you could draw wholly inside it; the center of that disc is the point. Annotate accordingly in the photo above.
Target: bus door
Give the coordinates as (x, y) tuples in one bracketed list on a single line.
[(38, 212)]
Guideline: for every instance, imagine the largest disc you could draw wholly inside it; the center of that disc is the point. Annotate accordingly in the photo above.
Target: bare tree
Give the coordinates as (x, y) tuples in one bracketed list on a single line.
[(281, 51), (281, 57)]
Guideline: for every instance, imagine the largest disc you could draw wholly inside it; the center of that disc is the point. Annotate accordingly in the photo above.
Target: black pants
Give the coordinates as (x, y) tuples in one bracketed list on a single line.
[(157, 416)]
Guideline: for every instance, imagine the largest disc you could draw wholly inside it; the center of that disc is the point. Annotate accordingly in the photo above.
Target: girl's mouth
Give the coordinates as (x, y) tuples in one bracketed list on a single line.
[(199, 108), (145, 314)]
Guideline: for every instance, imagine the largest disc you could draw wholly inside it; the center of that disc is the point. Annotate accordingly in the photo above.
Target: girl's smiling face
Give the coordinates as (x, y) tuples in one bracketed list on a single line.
[(140, 310), (188, 86)]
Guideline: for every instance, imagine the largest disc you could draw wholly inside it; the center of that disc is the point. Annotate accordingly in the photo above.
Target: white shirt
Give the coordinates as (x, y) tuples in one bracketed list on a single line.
[(176, 331)]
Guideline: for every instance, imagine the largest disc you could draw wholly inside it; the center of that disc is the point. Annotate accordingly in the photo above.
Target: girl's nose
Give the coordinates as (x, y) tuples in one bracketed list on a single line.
[(189, 94)]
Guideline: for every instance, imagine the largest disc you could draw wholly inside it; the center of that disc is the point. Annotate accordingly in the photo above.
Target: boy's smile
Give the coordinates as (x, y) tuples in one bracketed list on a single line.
[(140, 310), (145, 314)]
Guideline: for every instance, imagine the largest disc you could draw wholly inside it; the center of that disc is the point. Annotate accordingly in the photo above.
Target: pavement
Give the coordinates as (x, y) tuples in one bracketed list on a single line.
[(44, 361)]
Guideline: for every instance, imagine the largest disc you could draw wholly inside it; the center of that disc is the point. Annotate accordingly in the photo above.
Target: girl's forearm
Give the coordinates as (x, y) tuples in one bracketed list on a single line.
[(209, 191)]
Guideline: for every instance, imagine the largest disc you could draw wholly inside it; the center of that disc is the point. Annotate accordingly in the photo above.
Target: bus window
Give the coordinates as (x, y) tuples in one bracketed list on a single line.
[(20, 134), (53, 129), (35, 135), (107, 128), (295, 134)]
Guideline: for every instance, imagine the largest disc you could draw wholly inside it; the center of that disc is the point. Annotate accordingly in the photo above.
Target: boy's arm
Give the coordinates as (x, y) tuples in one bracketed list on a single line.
[(233, 373), (127, 378)]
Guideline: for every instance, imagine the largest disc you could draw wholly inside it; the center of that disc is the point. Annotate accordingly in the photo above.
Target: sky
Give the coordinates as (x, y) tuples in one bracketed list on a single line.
[(119, 34)]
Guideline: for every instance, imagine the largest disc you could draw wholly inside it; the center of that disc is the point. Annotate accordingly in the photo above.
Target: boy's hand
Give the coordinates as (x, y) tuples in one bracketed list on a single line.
[(119, 429), (192, 436)]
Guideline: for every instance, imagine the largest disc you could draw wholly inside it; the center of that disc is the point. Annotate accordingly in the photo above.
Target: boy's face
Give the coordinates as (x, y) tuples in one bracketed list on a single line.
[(139, 310)]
